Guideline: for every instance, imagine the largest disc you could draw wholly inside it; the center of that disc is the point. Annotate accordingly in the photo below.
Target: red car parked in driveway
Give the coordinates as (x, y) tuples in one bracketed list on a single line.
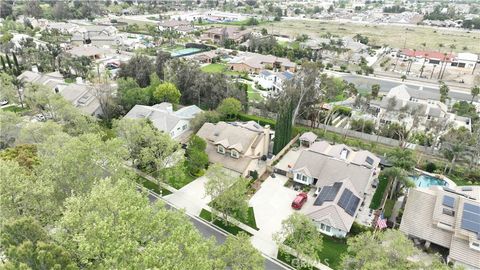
[(299, 201)]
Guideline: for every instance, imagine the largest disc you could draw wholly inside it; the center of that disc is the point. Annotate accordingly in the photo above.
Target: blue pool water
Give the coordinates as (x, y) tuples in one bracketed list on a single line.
[(424, 180)]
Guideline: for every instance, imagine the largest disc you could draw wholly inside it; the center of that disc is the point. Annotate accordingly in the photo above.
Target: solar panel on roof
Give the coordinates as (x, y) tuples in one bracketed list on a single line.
[(369, 160), (471, 218), (472, 208), (343, 201), (328, 194), (352, 205), (448, 201)]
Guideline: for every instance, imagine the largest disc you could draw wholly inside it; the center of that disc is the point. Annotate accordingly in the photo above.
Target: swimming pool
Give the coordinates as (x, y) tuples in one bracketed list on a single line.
[(424, 180)]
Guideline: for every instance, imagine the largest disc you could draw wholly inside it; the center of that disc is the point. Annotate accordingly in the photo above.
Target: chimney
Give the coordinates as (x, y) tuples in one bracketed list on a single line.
[(35, 69), (79, 80)]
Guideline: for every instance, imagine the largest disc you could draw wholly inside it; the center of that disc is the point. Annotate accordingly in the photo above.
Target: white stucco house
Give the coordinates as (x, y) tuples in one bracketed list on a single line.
[(164, 118)]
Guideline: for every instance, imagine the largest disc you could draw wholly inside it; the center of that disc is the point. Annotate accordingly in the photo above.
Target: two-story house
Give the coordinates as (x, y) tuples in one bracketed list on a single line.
[(342, 175), (448, 217), (239, 146), (416, 107)]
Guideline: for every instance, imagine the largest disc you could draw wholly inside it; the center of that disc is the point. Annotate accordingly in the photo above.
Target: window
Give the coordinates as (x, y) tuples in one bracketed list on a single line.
[(327, 228), (475, 245), (184, 127), (304, 178), (220, 149), (322, 226), (448, 212), (299, 176), (234, 154)]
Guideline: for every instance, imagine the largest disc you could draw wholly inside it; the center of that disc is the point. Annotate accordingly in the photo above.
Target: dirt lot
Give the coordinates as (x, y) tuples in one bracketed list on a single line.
[(392, 35)]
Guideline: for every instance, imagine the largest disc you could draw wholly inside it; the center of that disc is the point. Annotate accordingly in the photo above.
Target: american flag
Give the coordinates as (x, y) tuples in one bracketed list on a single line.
[(381, 222)]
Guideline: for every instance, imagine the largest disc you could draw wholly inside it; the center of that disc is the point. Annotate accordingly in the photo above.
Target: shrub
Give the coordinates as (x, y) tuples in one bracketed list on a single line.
[(430, 167)]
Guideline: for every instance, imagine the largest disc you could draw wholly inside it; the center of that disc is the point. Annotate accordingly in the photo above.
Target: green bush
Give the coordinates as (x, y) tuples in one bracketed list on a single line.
[(358, 228), (430, 167), (343, 110), (262, 121)]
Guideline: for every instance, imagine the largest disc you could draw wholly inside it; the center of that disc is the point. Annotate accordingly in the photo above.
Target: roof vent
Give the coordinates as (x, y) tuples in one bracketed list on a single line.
[(216, 134)]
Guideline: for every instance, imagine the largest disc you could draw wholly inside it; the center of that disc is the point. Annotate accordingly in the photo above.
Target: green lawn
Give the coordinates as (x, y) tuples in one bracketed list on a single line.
[(248, 220), (378, 195), (387, 212), (15, 109), (151, 185), (206, 215), (332, 251), (214, 68), (330, 255), (253, 95)]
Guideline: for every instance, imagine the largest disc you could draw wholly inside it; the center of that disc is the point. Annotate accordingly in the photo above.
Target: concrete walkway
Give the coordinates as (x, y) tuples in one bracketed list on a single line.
[(191, 197)]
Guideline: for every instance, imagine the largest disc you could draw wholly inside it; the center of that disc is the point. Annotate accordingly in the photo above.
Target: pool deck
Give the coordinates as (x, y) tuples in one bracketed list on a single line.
[(450, 183)]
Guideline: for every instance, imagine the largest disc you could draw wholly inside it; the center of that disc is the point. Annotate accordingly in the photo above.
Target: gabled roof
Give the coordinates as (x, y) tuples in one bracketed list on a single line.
[(162, 117), (362, 157), (308, 136), (329, 170), (330, 212)]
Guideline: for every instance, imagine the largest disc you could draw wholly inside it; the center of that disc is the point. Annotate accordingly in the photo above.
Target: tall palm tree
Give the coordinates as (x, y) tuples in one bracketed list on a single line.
[(452, 47), (425, 55), (475, 91)]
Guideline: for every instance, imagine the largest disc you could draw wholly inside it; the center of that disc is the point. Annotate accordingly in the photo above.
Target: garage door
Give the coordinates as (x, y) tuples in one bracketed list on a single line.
[(279, 171)]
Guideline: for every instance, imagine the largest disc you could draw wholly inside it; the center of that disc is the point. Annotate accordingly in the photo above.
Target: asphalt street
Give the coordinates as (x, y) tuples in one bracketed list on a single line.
[(208, 231), (386, 84)]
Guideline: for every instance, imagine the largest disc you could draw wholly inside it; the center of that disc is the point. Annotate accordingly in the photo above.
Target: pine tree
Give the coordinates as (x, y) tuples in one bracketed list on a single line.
[(17, 66), (9, 63), (3, 64), (283, 128)]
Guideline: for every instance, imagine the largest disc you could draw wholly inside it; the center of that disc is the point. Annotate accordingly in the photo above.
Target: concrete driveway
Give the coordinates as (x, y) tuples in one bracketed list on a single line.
[(190, 197), (272, 204)]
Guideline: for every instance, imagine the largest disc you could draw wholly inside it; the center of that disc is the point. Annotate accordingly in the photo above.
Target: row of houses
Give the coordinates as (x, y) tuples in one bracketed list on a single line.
[(467, 61), (419, 108)]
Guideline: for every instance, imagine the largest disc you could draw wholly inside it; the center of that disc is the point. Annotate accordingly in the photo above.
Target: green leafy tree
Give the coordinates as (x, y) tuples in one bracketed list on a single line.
[(28, 245), (162, 58), (229, 108), (137, 134), (116, 227), (233, 201), (443, 92), (167, 92), (218, 181), (20, 199), (138, 67), (402, 158), (300, 233), (389, 249), (84, 160), (24, 154), (238, 253), (204, 117), (9, 123), (196, 158), (375, 90), (455, 143)]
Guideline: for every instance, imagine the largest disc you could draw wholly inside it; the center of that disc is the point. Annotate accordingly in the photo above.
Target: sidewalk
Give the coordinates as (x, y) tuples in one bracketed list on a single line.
[(192, 199)]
